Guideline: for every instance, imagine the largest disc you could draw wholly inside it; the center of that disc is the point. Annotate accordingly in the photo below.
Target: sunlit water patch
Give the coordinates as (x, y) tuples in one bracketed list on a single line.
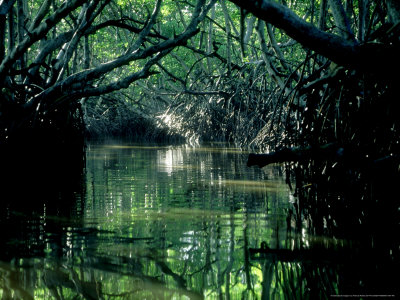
[(162, 222), (147, 221)]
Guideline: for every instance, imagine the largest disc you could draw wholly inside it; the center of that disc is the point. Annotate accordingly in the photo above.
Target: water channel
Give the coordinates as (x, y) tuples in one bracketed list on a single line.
[(150, 221)]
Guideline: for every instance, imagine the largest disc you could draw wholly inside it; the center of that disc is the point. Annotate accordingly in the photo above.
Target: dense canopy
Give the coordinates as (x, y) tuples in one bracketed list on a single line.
[(208, 69), (312, 82)]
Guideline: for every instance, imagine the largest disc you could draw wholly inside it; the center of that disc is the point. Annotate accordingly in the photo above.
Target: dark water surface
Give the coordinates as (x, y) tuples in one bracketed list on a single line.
[(166, 222)]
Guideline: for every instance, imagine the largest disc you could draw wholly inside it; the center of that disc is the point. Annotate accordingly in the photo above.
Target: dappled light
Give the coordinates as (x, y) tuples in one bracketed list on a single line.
[(199, 149), (141, 225), (144, 229)]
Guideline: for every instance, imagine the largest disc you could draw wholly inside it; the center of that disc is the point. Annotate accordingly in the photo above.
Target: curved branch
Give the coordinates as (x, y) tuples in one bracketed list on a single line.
[(55, 43), (295, 154), (123, 83), (37, 34), (120, 24), (339, 50), (44, 8), (73, 83)]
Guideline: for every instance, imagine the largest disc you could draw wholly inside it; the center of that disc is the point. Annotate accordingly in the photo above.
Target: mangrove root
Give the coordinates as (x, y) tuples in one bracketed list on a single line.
[(349, 156), (327, 151)]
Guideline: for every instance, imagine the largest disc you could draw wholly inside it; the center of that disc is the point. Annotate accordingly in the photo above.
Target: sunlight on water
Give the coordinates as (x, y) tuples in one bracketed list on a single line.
[(157, 222), (184, 208)]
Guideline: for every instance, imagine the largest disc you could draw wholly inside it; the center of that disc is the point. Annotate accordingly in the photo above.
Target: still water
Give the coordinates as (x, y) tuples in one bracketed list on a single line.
[(163, 222)]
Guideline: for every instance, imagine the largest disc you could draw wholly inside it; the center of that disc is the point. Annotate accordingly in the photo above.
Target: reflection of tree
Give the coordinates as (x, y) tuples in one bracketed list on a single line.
[(297, 280), (231, 257), (190, 244), (12, 282), (268, 269), (247, 269), (83, 280), (60, 277)]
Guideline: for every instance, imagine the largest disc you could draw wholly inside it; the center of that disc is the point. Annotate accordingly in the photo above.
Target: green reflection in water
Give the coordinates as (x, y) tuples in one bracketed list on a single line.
[(158, 222), (185, 215)]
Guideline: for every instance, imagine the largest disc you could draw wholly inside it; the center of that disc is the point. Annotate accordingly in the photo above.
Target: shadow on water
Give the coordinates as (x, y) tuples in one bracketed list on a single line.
[(37, 181), (41, 196), (161, 222), (342, 235)]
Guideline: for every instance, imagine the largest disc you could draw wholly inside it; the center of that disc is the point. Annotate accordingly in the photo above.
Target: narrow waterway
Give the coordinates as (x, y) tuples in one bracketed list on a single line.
[(164, 222)]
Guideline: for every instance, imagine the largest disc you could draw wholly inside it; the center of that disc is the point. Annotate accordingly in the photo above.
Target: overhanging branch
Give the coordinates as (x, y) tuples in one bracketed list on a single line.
[(370, 56), (72, 85), (327, 151)]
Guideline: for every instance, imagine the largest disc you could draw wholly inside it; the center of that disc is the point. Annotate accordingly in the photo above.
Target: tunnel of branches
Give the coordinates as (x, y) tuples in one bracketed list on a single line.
[(315, 82)]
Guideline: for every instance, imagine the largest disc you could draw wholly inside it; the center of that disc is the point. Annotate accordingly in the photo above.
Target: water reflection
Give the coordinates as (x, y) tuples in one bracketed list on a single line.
[(162, 222), (185, 211)]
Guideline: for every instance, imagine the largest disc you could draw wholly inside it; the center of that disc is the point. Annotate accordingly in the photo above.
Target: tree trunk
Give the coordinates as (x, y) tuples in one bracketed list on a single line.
[(86, 50), (341, 20), (322, 15), (21, 32), (267, 56), (362, 19), (250, 21), (44, 9), (182, 18), (11, 30), (276, 48), (85, 19), (6, 7), (209, 49), (2, 36), (228, 36), (393, 7)]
